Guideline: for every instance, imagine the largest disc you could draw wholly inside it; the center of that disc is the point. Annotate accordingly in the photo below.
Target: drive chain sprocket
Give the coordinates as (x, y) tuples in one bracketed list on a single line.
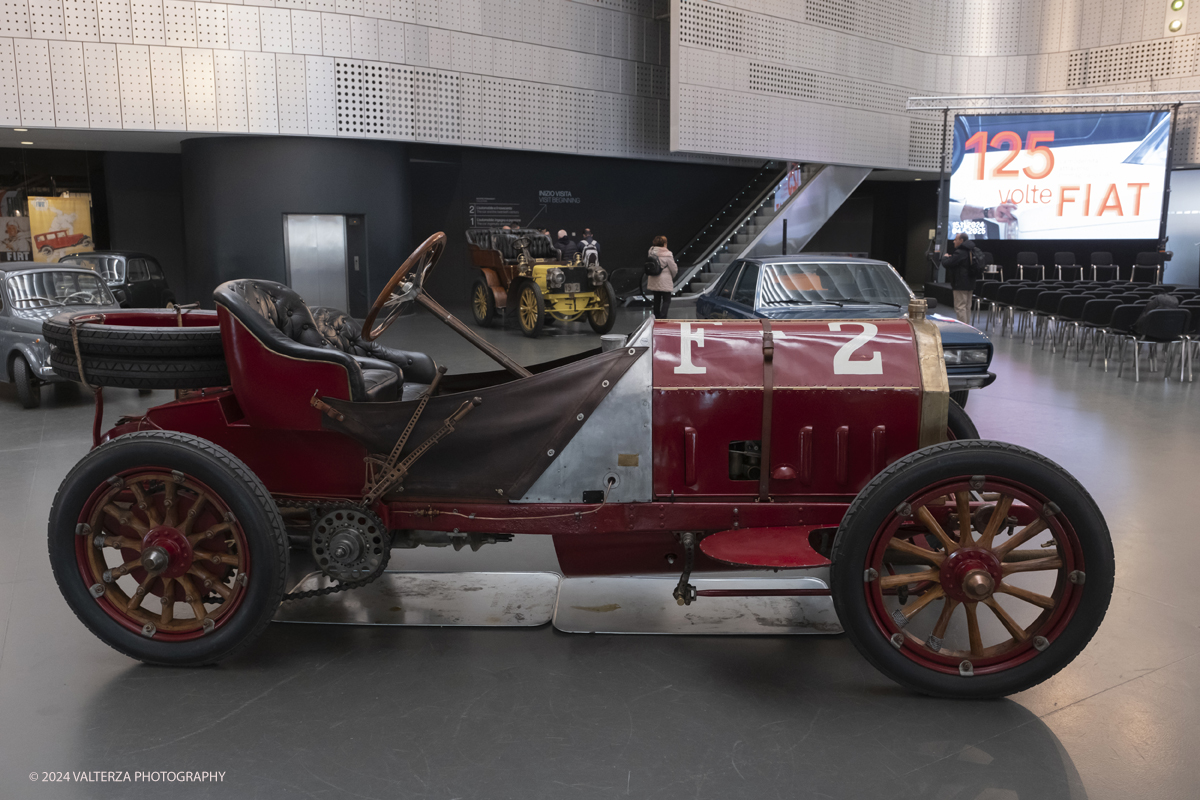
[(355, 520)]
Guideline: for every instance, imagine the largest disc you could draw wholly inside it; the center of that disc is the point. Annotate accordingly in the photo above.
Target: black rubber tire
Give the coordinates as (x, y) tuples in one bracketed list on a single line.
[(237, 486), (958, 425), (480, 290), (608, 296), (930, 465), (143, 373), (145, 342), (960, 397), (535, 330), (29, 389)]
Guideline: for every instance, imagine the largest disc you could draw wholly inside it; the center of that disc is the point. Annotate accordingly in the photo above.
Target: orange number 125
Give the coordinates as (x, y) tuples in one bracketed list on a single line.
[(1033, 143)]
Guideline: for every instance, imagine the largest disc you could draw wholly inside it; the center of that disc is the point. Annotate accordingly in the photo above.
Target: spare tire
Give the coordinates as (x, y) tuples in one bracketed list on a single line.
[(142, 373), (144, 333)]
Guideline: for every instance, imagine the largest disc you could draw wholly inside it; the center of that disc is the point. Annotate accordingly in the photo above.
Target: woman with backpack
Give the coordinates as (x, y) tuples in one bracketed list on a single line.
[(661, 270)]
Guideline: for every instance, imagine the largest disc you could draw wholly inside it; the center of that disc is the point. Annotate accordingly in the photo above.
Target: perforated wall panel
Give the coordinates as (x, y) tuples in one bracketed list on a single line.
[(212, 25), (34, 82), (14, 18), (148, 24), (335, 35), (321, 90), (364, 38), (262, 104), (115, 21), (166, 75), (230, 66), (46, 19), (103, 85), (276, 30), (10, 105), (293, 95), (137, 97), (243, 26), (80, 21), (70, 84), (200, 90), (306, 32)]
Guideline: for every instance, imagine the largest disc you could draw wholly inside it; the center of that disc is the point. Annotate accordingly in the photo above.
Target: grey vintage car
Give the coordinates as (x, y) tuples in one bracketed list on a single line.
[(27, 298)]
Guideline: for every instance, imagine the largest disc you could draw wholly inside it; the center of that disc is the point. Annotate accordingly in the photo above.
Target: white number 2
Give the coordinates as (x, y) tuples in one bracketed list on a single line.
[(842, 365)]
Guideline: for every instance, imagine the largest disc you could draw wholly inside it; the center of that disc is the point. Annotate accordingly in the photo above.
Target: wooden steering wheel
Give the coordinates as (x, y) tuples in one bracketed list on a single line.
[(400, 292)]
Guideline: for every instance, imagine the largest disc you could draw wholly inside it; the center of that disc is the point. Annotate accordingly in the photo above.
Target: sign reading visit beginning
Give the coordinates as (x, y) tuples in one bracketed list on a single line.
[(1059, 176)]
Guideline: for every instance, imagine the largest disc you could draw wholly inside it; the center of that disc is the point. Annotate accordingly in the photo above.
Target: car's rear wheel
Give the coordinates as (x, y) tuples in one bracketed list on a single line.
[(994, 528), (168, 548), (531, 309), (29, 389), (483, 304), (603, 318)]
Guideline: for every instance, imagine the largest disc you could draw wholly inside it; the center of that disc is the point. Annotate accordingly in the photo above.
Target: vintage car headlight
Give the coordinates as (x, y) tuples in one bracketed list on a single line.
[(598, 276), (555, 277), (960, 356)]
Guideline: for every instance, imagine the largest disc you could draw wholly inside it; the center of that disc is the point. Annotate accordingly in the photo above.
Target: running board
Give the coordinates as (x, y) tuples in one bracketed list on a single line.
[(617, 605)]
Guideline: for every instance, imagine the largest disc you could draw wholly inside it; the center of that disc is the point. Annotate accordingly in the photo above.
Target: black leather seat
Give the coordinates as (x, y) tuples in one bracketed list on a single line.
[(279, 318), (343, 332)]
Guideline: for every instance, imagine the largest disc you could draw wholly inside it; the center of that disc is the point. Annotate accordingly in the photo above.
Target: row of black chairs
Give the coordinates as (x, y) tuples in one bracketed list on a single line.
[(1147, 268), (1063, 314)]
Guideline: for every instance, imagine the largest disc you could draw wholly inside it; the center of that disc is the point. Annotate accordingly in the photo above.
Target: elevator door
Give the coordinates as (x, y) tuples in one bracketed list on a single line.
[(316, 257)]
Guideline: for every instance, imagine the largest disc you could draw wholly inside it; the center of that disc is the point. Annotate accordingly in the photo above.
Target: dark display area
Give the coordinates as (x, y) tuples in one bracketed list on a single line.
[(625, 202)]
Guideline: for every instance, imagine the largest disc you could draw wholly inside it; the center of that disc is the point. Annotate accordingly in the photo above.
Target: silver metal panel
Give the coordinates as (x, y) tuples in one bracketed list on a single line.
[(315, 245), (512, 599), (807, 210), (643, 604), (618, 430)]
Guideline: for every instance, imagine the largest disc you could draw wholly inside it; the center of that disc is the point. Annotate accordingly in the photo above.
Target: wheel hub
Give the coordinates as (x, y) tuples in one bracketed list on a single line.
[(166, 552), (350, 543), (971, 575), (346, 546)]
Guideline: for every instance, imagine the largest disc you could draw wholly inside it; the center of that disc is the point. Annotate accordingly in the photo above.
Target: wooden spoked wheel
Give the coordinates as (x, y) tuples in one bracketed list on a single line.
[(947, 560), (531, 309), (399, 292), (163, 555), (483, 303), (972, 569)]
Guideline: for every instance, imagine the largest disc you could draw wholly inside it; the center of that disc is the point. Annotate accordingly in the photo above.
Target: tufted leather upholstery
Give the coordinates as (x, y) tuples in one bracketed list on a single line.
[(344, 333), (279, 318)]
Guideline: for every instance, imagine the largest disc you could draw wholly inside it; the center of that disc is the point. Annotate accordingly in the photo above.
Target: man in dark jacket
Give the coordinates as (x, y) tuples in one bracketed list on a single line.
[(567, 247), (961, 271)]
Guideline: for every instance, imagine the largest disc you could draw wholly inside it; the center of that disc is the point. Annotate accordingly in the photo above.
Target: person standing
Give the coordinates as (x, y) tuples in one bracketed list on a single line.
[(961, 270), (567, 248), (663, 284), (588, 240)]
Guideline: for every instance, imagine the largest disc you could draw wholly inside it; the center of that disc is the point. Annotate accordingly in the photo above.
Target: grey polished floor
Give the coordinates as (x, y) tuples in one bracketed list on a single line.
[(343, 712)]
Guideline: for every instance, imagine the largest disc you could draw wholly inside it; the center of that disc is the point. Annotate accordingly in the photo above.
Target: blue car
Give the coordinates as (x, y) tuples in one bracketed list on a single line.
[(830, 287)]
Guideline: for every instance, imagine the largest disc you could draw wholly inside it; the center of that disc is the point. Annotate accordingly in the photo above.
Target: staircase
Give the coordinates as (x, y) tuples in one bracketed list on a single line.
[(757, 230), (748, 210)]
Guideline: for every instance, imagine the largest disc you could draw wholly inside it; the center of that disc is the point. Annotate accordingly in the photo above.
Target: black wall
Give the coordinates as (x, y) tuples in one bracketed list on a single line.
[(625, 202), (890, 220), (144, 207), (236, 191)]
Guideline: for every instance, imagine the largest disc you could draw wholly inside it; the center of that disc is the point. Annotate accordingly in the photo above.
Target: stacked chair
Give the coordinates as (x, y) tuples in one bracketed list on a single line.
[(1073, 306)]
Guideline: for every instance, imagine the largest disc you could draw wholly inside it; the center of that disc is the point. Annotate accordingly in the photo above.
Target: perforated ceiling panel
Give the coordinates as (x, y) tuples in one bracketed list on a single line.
[(230, 68), (261, 93), (80, 21), (293, 94)]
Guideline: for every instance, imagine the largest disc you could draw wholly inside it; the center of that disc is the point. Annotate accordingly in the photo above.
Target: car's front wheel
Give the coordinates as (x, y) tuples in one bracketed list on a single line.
[(603, 318), (531, 309), (958, 424), (29, 389), (972, 569), (168, 548)]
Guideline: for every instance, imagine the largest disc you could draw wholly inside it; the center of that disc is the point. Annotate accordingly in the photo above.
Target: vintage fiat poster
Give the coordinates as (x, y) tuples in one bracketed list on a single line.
[(60, 225)]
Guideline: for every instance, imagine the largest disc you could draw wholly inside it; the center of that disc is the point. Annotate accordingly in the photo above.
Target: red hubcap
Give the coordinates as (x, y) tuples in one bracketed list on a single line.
[(970, 575), (176, 546)]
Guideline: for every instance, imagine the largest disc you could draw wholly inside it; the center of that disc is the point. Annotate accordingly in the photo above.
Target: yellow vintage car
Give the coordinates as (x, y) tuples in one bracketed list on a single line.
[(523, 276)]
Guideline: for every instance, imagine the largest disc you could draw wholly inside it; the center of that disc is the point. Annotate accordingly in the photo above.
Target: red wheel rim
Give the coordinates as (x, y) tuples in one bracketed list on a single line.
[(949, 604), (153, 533)]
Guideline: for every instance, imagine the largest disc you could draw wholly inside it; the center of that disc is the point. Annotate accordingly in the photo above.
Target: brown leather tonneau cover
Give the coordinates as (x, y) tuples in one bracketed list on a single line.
[(504, 445)]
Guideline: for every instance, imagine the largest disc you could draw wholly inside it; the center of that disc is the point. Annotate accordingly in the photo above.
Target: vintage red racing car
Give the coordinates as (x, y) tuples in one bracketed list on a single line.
[(958, 568)]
